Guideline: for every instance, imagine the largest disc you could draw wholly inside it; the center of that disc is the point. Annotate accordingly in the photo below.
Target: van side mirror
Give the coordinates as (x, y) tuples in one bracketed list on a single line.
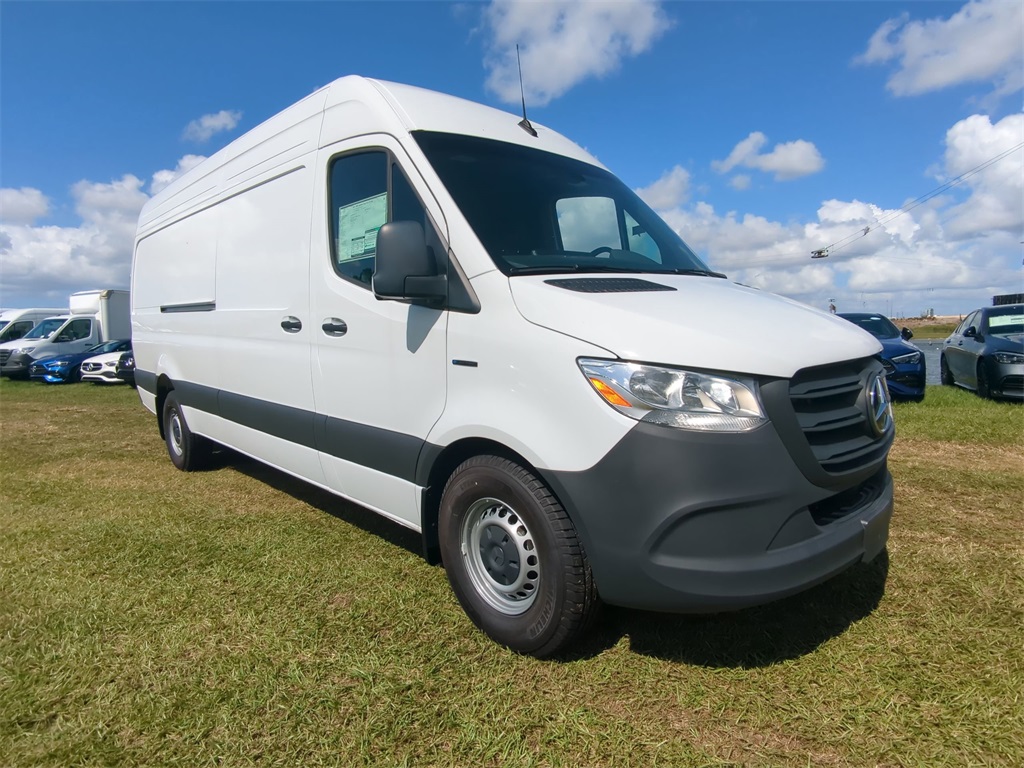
[(970, 333), (404, 267), (906, 334)]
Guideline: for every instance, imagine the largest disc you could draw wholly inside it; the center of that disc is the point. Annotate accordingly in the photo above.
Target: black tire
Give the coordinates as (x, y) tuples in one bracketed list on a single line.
[(513, 558), (984, 386), (188, 452), (945, 375)]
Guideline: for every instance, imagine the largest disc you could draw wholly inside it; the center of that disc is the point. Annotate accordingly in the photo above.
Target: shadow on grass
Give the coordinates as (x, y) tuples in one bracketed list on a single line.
[(753, 637), (325, 501)]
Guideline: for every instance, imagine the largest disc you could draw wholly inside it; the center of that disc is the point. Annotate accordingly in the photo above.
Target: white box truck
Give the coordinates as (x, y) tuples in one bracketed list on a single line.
[(472, 327), (93, 317), (15, 323)]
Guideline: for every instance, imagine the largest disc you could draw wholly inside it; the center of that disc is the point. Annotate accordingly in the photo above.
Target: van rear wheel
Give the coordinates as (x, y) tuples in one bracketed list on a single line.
[(188, 452), (514, 559)]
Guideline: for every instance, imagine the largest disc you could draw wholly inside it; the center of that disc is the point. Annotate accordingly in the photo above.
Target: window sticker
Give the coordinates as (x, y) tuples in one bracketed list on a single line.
[(357, 227), (999, 321)]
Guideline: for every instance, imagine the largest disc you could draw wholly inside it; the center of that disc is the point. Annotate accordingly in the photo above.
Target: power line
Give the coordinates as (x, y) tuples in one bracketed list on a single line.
[(838, 245)]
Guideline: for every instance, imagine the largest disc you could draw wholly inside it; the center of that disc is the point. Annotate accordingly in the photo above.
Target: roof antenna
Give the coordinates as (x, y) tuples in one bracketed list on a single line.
[(524, 123)]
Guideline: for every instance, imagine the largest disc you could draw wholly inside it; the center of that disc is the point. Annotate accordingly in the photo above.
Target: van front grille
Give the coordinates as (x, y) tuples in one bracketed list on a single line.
[(5, 355), (831, 409)]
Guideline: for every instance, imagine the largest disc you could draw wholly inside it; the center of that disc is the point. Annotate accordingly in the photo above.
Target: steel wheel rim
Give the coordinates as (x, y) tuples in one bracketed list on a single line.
[(175, 432), (500, 556)]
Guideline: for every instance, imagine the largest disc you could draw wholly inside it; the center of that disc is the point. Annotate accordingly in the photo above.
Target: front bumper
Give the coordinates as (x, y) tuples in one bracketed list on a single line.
[(1007, 379), (101, 375), (16, 365), (906, 381), (40, 372), (696, 523), (683, 521)]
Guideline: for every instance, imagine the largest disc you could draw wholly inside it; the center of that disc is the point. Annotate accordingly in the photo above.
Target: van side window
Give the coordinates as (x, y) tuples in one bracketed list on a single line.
[(359, 207), (16, 330), (362, 201)]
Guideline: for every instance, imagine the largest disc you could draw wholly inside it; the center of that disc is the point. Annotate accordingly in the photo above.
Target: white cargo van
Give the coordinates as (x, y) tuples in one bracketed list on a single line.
[(94, 317), (472, 327), (15, 323)]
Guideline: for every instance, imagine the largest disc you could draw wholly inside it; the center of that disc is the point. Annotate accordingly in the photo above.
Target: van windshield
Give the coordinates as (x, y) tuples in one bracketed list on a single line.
[(45, 328), (536, 212)]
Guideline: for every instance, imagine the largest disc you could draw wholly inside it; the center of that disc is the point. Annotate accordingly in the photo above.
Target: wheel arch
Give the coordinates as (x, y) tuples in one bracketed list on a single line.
[(434, 473), (164, 386)]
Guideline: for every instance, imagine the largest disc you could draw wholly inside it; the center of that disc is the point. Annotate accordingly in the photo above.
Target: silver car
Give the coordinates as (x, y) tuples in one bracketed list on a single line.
[(986, 352)]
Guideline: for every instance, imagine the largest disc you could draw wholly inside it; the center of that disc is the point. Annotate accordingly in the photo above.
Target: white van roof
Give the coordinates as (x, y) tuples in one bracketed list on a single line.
[(350, 106)]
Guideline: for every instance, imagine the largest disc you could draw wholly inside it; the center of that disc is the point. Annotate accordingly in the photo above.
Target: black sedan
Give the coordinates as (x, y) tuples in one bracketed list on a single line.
[(986, 352), (125, 369)]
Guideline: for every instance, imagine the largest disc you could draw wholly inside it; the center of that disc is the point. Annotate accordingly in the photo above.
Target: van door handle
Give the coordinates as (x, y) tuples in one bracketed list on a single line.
[(334, 327), (291, 324)]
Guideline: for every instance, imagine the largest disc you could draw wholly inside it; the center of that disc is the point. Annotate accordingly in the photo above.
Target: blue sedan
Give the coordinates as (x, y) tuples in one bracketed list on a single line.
[(61, 369), (903, 362)]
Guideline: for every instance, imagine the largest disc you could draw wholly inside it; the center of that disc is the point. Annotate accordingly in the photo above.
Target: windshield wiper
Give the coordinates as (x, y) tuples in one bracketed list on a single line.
[(541, 270), (698, 272)]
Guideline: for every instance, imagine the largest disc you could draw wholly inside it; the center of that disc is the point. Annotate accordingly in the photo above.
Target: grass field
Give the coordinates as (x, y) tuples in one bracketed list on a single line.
[(233, 617)]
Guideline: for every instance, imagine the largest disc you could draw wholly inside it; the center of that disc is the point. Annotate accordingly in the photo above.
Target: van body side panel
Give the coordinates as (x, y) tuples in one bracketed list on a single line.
[(173, 277), (262, 325)]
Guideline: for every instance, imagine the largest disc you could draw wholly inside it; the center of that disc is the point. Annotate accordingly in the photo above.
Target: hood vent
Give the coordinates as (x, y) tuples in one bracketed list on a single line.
[(608, 285)]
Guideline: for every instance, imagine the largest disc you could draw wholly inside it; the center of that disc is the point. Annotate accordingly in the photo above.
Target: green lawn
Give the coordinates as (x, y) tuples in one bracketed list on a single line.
[(232, 617)]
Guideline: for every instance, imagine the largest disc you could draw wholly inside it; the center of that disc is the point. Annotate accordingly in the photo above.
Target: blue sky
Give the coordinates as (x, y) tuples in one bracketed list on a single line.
[(761, 130)]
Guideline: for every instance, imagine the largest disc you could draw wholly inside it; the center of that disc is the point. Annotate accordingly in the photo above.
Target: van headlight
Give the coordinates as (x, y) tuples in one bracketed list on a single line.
[(676, 398), (23, 351)]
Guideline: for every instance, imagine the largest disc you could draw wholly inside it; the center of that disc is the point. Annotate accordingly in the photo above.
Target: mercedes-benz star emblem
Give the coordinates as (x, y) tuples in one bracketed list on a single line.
[(879, 406)]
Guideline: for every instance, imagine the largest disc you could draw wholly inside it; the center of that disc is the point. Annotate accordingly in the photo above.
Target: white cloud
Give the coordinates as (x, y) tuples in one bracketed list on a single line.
[(163, 179), (563, 43), (740, 182), (22, 206), (979, 43), (787, 161), (50, 262), (671, 190), (950, 253), (997, 191), (206, 126)]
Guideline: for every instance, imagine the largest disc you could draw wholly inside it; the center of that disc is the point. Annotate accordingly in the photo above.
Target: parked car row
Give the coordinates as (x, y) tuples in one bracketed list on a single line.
[(984, 354), (110, 362)]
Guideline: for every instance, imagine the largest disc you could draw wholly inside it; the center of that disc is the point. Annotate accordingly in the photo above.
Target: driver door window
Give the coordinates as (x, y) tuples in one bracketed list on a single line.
[(362, 201)]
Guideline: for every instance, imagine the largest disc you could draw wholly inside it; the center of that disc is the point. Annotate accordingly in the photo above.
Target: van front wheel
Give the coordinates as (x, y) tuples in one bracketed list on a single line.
[(514, 559), (188, 452)]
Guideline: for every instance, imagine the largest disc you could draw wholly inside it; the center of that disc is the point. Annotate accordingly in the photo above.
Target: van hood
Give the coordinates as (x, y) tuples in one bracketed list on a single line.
[(692, 321)]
